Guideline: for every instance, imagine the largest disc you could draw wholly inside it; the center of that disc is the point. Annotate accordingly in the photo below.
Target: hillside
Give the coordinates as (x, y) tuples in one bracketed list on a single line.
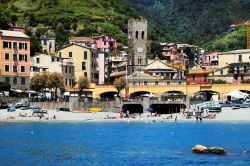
[(68, 18), (195, 21)]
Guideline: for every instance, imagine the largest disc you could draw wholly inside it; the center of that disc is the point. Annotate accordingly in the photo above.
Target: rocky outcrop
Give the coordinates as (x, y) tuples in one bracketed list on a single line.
[(217, 150), (200, 149)]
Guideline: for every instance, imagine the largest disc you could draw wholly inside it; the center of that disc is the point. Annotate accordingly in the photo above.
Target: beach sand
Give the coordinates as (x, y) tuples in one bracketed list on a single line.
[(227, 114)]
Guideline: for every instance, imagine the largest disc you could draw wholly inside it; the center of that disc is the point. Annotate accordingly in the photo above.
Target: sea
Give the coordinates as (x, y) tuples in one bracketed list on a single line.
[(118, 144)]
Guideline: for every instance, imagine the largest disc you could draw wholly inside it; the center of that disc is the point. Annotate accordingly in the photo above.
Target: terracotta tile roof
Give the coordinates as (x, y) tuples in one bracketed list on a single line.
[(200, 71), (19, 34)]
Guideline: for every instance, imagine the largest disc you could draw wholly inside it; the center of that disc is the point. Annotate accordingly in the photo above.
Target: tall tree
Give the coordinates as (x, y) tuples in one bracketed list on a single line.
[(55, 81), (120, 84), (83, 83)]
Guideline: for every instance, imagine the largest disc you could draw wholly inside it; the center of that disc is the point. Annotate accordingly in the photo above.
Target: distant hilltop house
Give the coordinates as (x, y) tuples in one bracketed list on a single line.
[(15, 59), (48, 43)]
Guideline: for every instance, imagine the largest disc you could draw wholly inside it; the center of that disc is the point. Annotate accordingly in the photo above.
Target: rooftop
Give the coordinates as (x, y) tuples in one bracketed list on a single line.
[(242, 51), (7, 33), (200, 71), (81, 39)]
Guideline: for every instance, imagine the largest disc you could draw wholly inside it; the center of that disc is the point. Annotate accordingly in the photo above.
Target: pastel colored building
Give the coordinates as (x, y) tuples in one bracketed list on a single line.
[(47, 63), (48, 43), (84, 59), (83, 41), (105, 44), (15, 59), (199, 76), (236, 56), (210, 59)]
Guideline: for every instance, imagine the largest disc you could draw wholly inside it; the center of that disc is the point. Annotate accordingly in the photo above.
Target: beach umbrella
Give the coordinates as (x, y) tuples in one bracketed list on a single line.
[(149, 109)]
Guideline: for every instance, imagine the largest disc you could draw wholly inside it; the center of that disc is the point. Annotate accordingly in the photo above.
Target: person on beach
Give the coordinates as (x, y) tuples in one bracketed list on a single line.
[(121, 114), (54, 117), (175, 119), (197, 118), (200, 118)]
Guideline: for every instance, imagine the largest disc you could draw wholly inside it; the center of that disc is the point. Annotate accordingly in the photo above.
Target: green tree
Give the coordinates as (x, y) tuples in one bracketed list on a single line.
[(55, 81), (120, 84), (4, 86), (83, 83), (38, 82)]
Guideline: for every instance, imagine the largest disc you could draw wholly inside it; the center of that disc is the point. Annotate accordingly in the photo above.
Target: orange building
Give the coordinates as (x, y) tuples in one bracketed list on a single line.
[(15, 59), (199, 76)]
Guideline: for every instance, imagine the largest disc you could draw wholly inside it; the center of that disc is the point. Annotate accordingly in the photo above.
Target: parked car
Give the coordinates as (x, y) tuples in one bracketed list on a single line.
[(11, 109), (3, 105), (64, 109)]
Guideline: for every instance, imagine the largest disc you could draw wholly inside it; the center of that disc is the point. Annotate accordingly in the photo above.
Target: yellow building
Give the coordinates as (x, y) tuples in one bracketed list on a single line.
[(236, 56), (84, 60)]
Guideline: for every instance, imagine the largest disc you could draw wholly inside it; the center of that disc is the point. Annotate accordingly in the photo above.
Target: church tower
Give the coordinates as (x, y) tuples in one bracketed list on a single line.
[(137, 43)]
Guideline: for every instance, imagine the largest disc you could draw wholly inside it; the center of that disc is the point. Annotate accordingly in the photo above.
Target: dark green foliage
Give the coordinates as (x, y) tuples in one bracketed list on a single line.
[(219, 81), (4, 86)]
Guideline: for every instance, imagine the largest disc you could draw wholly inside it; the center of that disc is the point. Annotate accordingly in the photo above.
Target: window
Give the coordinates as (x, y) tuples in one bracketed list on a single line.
[(85, 74), (14, 57), (5, 44), (240, 58), (37, 60), (66, 70), (145, 83), (23, 46), (14, 80), (66, 82), (136, 34), (168, 82), (22, 81), (134, 82), (83, 65), (22, 57), (156, 83), (193, 77), (7, 68), (52, 59), (139, 61), (60, 54), (142, 34), (221, 72), (242, 77), (70, 54), (14, 68), (245, 69), (85, 54), (45, 42), (69, 70), (22, 69), (238, 69), (7, 56), (15, 45), (205, 78), (7, 79)]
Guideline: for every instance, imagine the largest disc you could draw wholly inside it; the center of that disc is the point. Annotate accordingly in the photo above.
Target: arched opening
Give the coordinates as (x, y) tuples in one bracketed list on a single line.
[(132, 108), (167, 108), (173, 96), (108, 96), (136, 34), (205, 95), (138, 95), (142, 34), (245, 91)]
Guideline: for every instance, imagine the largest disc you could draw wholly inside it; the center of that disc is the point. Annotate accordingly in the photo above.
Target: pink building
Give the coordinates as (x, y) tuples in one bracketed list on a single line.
[(105, 44), (210, 59)]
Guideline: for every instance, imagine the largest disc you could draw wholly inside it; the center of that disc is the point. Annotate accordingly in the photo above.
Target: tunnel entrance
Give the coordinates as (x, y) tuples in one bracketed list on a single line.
[(137, 95), (167, 108), (107, 96), (132, 108)]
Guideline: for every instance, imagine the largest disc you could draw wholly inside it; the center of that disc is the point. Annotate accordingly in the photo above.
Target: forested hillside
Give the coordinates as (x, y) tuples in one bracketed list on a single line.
[(196, 21)]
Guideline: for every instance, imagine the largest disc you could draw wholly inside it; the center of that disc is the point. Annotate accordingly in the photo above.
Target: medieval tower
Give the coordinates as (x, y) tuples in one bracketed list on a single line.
[(137, 43)]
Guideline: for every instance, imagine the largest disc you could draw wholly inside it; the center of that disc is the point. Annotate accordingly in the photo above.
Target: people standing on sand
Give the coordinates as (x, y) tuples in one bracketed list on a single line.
[(197, 118), (54, 117), (127, 113), (121, 114), (175, 119), (200, 118)]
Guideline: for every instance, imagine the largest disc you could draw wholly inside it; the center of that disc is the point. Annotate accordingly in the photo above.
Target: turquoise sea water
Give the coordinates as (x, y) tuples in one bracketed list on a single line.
[(122, 143)]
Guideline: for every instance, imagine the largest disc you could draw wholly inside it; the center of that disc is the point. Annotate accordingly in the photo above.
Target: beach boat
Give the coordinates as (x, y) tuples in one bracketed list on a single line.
[(95, 109), (11, 109)]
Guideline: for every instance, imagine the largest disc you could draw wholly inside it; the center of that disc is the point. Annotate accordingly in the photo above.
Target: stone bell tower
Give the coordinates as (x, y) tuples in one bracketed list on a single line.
[(137, 44)]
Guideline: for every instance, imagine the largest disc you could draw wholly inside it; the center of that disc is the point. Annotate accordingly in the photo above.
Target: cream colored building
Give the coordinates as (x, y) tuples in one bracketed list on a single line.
[(84, 60), (236, 56), (47, 63)]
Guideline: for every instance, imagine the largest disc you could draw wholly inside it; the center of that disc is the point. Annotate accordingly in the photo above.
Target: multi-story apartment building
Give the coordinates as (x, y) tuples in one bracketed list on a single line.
[(15, 59), (84, 59), (47, 63)]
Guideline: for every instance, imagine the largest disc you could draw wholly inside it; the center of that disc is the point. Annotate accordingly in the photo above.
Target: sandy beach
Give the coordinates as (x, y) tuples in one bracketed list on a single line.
[(227, 114)]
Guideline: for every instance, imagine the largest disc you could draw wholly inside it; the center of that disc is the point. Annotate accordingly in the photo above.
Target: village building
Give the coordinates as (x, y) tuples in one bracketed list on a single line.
[(15, 59), (83, 41), (199, 76), (47, 63), (48, 43), (84, 59)]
